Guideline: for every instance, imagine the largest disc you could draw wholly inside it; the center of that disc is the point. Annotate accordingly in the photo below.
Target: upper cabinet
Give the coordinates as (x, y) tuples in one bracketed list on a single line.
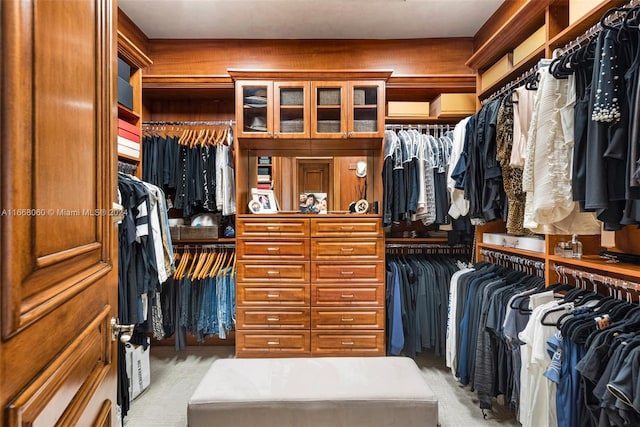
[(310, 108)]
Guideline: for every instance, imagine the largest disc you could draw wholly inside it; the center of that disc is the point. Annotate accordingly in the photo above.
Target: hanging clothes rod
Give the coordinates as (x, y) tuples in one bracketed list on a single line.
[(593, 31), (513, 259), (425, 246), (186, 247), (617, 287), (191, 123), (417, 126), (519, 81)]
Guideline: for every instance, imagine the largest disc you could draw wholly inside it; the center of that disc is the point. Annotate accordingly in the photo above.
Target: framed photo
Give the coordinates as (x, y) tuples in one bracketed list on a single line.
[(263, 201), (313, 203)]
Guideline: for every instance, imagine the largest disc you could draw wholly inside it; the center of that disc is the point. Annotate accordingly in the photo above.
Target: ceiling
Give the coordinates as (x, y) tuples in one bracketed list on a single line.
[(308, 19)]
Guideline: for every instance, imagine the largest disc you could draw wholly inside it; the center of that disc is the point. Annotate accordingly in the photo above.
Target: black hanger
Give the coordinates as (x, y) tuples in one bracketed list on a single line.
[(608, 13)]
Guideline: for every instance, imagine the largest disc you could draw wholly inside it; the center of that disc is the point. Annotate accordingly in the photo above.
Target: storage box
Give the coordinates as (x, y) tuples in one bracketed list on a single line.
[(125, 93), (453, 105), (138, 369), (365, 126), (530, 45), (292, 126), (131, 128), (199, 233), (358, 97), (291, 96), (408, 109), (497, 71), (328, 96), (124, 70), (329, 126), (580, 8), (532, 244), (174, 232)]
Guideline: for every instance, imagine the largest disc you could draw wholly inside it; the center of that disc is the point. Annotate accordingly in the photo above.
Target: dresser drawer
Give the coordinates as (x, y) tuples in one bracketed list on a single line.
[(354, 318), (365, 343), (346, 227), (265, 318), (289, 295), (269, 343), (343, 249), (272, 227), (273, 249), (251, 271), (337, 272), (339, 295)]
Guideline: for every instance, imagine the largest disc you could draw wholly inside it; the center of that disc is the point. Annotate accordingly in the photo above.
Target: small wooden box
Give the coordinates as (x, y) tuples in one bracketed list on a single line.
[(497, 71), (453, 105), (199, 233), (408, 109), (579, 8), (530, 45)]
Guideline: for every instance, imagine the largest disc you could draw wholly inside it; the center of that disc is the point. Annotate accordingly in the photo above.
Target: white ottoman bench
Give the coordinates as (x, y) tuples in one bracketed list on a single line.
[(313, 392)]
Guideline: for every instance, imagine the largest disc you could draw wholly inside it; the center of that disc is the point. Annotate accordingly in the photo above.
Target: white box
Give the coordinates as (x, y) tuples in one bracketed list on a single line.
[(138, 369), (532, 244)]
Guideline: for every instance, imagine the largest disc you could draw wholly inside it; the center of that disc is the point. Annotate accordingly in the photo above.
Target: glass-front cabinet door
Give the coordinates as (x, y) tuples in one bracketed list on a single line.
[(329, 109), (291, 109), (366, 109), (254, 115)]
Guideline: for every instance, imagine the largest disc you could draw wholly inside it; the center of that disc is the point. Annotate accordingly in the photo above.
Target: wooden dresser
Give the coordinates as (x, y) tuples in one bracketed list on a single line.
[(310, 286)]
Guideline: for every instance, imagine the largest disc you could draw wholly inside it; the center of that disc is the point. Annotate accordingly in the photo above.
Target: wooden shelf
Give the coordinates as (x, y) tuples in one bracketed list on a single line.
[(416, 240), (128, 157), (583, 24), (512, 32), (419, 120), (595, 262), (514, 251), (127, 114), (514, 73)]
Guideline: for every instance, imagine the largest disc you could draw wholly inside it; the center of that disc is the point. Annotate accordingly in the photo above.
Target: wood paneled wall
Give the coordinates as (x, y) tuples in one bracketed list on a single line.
[(404, 57)]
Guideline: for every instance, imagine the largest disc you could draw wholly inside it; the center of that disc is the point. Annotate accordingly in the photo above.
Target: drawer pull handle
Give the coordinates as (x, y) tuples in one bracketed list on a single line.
[(273, 342), (348, 343), (346, 249), (346, 228), (272, 272), (346, 296), (273, 295), (347, 273), (273, 227), (273, 319), (347, 319), (273, 249)]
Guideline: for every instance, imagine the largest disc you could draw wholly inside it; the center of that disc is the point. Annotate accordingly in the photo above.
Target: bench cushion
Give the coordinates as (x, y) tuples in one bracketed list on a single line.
[(331, 391)]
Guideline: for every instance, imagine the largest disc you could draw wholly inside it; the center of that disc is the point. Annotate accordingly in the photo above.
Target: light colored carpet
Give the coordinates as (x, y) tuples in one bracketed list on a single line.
[(175, 375)]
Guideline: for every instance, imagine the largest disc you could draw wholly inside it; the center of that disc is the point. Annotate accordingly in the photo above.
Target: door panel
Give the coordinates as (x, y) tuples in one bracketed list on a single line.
[(58, 243)]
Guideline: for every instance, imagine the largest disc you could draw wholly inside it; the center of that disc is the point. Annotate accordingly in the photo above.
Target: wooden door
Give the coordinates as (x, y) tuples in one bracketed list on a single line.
[(58, 247), (315, 176)]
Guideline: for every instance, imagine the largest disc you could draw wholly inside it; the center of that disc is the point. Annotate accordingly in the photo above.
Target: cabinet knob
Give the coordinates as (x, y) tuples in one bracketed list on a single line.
[(350, 134), (273, 295), (268, 133), (273, 319), (346, 296), (344, 135), (347, 319), (273, 342), (348, 343), (275, 134)]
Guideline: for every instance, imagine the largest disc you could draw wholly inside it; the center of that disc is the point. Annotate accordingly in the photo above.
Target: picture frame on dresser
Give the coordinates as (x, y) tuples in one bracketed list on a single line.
[(263, 201)]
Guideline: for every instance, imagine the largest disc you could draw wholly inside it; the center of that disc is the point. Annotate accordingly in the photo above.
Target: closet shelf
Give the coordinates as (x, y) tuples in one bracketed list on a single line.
[(514, 251), (516, 71), (128, 157), (410, 240), (594, 262), (401, 120), (127, 114), (583, 24), (512, 32)]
